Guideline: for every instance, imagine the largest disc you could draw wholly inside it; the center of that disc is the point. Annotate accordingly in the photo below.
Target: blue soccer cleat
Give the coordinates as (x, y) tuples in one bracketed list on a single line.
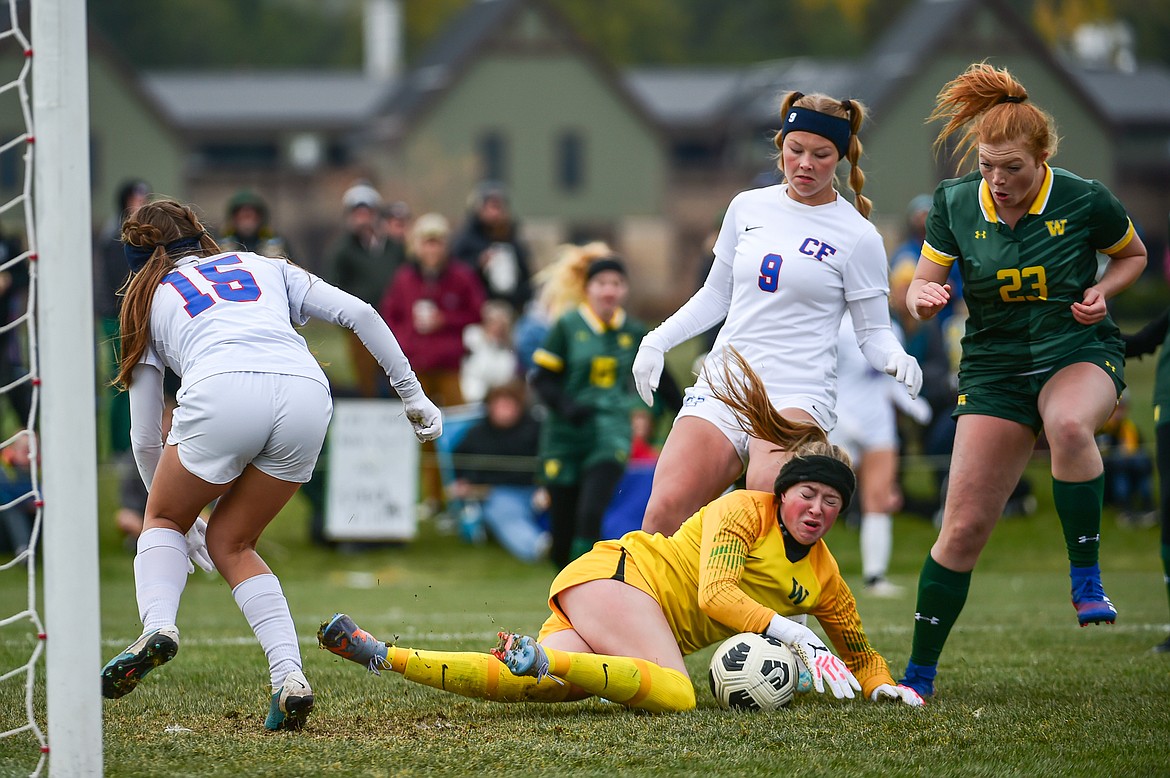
[(341, 636), (1088, 597), (522, 655), (291, 704), (122, 673), (920, 678)]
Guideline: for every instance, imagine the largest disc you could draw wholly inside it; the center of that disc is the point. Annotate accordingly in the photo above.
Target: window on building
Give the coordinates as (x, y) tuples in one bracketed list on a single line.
[(571, 161), (493, 156)]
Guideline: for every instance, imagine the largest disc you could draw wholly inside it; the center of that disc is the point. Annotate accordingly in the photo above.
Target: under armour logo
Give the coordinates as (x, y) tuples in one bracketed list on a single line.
[(980, 234), (798, 594), (932, 620), (1090, 538)]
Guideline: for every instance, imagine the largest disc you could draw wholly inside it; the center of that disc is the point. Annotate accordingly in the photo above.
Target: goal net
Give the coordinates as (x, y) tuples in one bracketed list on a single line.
[(48, 482)]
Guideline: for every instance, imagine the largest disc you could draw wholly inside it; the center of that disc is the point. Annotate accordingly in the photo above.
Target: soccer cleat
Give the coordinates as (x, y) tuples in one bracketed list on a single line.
[(920, 678), (122, 673), (341, 636), (1088, 597), (522, 655), (291, 704), (1162, 648)]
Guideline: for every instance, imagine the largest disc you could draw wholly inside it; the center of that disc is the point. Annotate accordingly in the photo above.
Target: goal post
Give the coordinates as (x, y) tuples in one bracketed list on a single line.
[(60, 233)]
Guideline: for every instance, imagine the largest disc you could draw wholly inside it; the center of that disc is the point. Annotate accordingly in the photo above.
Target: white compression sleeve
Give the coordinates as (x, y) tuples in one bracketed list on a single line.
[(327, 302), (146, 410), (706, 308), (875, 336)]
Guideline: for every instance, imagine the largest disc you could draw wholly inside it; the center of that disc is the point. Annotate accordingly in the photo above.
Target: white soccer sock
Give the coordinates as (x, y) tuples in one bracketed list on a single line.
[(262, 601), (877, 541), (160, 573)]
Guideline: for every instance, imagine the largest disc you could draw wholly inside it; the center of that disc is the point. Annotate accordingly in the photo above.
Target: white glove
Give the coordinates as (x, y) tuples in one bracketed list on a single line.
[(197, 547), (648, 364), (905, 369), (423, 415), (821, 663), (898, 693)]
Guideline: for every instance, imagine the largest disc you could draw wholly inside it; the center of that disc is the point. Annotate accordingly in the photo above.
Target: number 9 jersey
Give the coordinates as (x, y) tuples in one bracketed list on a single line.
[(1019, 283), (785, 272), (229, 313)]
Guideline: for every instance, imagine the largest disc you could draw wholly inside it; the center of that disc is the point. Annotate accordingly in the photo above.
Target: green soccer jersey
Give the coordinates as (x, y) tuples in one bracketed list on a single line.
[(1019, 284), (595, 360)]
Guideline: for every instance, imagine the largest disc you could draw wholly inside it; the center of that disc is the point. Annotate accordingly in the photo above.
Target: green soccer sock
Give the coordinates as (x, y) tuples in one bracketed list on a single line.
[(941, 596), (1079, 506)]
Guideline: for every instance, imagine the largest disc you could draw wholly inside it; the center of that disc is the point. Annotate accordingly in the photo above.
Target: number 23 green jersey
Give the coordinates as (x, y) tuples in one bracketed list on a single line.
[(1019, 284)]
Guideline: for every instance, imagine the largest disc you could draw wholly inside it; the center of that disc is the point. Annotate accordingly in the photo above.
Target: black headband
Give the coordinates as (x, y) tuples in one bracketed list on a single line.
[(821, 469), (834, 128), (603, 264), (138, 256)]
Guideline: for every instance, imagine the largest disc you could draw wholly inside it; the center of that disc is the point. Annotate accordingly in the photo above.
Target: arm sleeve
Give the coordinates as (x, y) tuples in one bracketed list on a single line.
[(708, 306), (1148, 338), (327, 302), (146, 410), (875, 335), (731, 527), (837, 614)]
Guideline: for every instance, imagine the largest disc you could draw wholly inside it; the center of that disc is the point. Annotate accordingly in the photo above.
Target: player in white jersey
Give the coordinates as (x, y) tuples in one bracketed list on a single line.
[(251, 418), (867, 405), (788, 262)]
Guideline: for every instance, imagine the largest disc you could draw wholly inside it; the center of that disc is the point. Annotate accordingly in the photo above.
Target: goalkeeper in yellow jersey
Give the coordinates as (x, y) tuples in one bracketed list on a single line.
[(625, 613)]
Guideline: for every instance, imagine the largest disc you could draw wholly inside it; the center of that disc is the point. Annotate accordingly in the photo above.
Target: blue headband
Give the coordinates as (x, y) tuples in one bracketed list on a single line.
[(834, 128), (138, 256)]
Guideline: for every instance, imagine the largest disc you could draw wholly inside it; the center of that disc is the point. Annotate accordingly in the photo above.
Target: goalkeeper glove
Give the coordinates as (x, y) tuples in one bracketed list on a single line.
[(822, 665)]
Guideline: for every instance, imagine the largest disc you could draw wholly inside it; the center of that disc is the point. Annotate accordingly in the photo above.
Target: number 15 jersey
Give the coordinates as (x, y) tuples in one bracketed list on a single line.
[(786, 271), (231, 313)]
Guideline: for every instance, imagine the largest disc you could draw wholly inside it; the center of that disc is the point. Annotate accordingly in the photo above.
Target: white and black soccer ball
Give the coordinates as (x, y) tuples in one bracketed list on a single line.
[(752, 672)]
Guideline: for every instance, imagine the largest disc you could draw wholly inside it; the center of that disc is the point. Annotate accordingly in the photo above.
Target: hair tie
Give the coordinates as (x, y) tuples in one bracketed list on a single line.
[(1012, 99), (832, 128)]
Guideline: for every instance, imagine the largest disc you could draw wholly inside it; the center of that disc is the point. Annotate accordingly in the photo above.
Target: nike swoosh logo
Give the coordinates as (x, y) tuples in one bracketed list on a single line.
[(749, 229)]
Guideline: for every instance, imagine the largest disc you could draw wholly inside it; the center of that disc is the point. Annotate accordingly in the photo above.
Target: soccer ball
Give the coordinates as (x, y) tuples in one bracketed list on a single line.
[(752, 672)]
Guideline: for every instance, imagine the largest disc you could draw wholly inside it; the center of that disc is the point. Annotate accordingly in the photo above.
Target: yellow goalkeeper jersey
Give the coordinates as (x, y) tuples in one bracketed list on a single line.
[(725, 571)]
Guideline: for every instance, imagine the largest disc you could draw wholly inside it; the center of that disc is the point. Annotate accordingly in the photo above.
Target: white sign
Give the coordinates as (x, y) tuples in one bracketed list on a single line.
[(372, 484)]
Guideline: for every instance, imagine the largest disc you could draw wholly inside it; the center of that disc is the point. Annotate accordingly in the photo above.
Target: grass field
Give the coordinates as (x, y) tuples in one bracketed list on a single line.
[(1022, 690)]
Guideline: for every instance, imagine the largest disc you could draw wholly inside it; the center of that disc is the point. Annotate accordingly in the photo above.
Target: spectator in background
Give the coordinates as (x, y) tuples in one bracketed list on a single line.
[(495, 467), (1129, 469), (907, 254), (583, 377), (490, 360), (16, 520), (248, 228), (394, 227), (489, 241), (363, 262), (109, 273), (428, 305)]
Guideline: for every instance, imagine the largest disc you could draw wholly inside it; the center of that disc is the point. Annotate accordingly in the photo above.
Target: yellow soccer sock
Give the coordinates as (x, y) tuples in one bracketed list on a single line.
[(635, 683), (473, 674)]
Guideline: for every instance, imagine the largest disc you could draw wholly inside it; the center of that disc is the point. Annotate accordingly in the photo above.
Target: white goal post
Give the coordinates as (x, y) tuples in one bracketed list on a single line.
[(60, 98)]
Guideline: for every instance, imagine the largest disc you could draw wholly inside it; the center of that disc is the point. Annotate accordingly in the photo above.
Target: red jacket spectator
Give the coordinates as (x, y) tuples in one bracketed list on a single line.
[(432, 337)]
